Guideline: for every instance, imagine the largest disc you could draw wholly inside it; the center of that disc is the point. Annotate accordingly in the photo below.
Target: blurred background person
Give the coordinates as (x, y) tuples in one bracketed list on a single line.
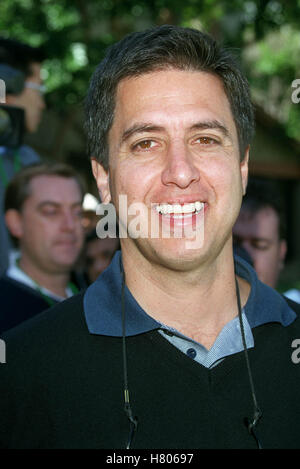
[(98, 254), (260, 229), (20, 68), (43, 205), (238, 250)]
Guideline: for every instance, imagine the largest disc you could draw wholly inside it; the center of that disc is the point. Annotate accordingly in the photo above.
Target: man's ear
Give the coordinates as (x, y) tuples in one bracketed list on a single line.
[(14, 223), (244, 169), (101, 176)]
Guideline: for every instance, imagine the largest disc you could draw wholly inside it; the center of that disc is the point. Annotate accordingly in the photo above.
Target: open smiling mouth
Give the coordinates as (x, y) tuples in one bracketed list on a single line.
[(180, 211), (183, 220)]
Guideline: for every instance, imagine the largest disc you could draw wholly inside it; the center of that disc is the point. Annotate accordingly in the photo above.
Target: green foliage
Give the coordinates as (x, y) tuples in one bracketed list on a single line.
[(76, 33)]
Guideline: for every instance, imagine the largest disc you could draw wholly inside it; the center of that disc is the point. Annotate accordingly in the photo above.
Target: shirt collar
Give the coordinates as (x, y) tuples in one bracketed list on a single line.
[(103, 303), (20, 276)]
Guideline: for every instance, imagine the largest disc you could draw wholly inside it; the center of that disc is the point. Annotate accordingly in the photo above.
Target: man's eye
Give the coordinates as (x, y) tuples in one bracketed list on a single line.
[(206, 140), (49, 212), (144, 145), (261, 245)]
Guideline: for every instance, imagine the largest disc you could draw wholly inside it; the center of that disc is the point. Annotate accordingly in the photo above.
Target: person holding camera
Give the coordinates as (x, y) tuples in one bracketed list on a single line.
[(20, 67)]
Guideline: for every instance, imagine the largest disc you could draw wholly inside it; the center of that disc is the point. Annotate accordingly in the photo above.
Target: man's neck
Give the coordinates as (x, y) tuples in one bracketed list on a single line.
[(53, 281), (198, 303)]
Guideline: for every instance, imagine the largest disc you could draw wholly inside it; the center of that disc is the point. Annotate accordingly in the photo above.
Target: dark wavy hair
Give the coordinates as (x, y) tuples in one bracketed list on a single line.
[(19, 188), (160, 48)]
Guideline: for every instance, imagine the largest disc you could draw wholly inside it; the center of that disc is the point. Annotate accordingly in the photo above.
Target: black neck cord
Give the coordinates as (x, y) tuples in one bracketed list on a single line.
[(127, 407), (257, 412)]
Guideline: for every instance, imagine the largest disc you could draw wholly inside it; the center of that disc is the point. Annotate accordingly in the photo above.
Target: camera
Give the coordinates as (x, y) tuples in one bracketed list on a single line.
[(11, 126), (11, 117)]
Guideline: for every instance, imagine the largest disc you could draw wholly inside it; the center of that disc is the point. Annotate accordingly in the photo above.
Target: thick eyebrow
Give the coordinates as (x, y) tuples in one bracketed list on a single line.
[(139, 128), (149, 127), (214, 124), (44, 203)]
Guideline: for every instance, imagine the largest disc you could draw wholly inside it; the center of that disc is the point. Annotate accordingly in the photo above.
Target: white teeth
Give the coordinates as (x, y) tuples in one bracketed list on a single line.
[(179, 209), (198, 206), (176, 209)]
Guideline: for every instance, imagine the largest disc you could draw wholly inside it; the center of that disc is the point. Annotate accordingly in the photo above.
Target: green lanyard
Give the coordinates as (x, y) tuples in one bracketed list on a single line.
[(17, 167), (48, 299)]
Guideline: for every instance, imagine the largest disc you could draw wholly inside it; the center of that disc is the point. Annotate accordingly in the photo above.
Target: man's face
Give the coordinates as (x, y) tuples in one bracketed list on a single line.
[(173, 141), (30, 99), (258, 233), (49, 225)]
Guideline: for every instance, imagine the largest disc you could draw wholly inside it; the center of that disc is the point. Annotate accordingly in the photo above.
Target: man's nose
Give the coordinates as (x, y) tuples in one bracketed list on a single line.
[(180, 169), (69, 221)]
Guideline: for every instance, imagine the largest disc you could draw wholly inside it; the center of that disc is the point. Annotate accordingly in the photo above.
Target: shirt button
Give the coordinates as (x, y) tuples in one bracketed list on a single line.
[(191, 352)]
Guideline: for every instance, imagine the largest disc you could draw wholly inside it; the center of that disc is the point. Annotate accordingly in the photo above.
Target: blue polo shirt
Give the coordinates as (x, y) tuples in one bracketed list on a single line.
[(103, 314)]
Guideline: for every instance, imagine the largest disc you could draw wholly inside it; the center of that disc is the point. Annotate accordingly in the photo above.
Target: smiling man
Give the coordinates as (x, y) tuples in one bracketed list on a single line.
[(183, 145), (177, 344)]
